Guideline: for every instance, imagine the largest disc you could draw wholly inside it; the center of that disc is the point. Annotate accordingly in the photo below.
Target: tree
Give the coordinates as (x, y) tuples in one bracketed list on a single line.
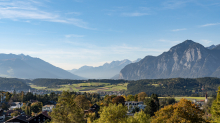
[(119, 99), (141, 96), (139, 117), (113, 114), (8, 96), (66, 110), (182, 112), (215, 109), (82, 102), (36, 107), (130, 98), (151, 107), (156, 100), (15, 113)]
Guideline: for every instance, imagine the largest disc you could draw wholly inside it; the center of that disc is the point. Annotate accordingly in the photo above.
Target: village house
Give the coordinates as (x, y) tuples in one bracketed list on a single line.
[(132, 104), (40, 118), (48, 108), (15, 105)]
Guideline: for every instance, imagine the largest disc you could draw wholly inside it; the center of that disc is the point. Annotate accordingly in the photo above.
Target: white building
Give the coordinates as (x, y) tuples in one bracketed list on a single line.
[(132, 104), (15, 105), (48, 108)]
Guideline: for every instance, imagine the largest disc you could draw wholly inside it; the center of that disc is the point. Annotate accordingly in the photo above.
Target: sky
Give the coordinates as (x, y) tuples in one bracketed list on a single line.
[(73, 33)]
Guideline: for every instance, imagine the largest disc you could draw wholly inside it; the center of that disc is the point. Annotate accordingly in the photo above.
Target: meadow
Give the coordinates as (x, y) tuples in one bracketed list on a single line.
[(85, 87)]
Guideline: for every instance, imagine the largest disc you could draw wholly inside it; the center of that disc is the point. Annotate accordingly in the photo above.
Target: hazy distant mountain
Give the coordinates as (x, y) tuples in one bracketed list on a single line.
[(21, 66), (211, 47), (136, 60), (186, 60), (107, 71)]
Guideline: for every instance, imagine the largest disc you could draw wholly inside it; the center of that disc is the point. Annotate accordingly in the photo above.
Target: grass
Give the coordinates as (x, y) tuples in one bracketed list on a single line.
[(86, 87), (189, 98)]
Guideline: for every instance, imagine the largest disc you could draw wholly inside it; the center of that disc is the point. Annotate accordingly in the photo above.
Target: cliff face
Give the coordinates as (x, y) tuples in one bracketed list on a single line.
[(185, 60)]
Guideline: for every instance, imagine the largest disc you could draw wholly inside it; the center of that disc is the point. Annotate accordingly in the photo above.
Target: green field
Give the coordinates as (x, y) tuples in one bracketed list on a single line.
[(190, 98), (85, 87)]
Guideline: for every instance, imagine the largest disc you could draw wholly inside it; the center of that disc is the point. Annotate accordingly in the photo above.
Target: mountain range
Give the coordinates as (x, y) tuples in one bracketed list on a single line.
[(22, 66), (186, 60), (106, 71)]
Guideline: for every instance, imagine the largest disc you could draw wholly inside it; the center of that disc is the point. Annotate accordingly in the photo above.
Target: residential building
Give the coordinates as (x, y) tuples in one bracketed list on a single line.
[(48, 108), (132, 104), (15, 105), (40, 118)]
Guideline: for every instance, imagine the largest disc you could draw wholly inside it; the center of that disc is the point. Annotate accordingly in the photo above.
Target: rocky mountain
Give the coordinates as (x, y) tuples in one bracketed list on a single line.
[(22, 66), (106, 71), (186, 60)]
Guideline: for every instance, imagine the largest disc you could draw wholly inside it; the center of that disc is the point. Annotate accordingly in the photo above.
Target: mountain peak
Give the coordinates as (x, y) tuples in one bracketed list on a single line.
[(184, 45), (189, 41)]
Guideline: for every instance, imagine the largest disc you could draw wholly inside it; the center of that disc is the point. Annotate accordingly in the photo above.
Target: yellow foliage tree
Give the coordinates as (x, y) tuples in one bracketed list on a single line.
[(182, 112), (215, 109), (142, 96), (139, 117), (113, 114), (66, 110)]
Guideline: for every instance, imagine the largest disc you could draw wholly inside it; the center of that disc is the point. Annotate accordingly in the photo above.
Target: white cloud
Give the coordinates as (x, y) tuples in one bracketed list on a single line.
[(134, 14), (74, 36), (20, 10), (210, 24), (206, 41), (176, 30)]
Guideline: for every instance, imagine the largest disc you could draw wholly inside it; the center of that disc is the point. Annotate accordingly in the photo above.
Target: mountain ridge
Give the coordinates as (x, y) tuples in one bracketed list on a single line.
[(22, 66), (106, 71), (186, 60)]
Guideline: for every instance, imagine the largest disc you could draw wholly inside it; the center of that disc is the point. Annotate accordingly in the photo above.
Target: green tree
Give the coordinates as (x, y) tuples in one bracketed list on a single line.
[(130, 97), (36, 107), (151, 107), (113, 114), (66, 110)]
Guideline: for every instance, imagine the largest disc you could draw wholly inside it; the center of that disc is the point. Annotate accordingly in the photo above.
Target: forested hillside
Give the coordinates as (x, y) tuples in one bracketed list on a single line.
[(13, 83), (175, 86)]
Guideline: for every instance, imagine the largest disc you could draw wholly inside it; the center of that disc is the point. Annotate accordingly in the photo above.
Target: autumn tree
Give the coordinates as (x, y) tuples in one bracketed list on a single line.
[(181, 112), (139, 117), (15, 113), (142, 96), (118, 100), (82, 102), (113, 114), (66, 110), (215, 109)]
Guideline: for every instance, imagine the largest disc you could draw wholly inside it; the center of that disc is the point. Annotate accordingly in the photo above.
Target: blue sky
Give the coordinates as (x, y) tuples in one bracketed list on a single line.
[(73, 33)]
